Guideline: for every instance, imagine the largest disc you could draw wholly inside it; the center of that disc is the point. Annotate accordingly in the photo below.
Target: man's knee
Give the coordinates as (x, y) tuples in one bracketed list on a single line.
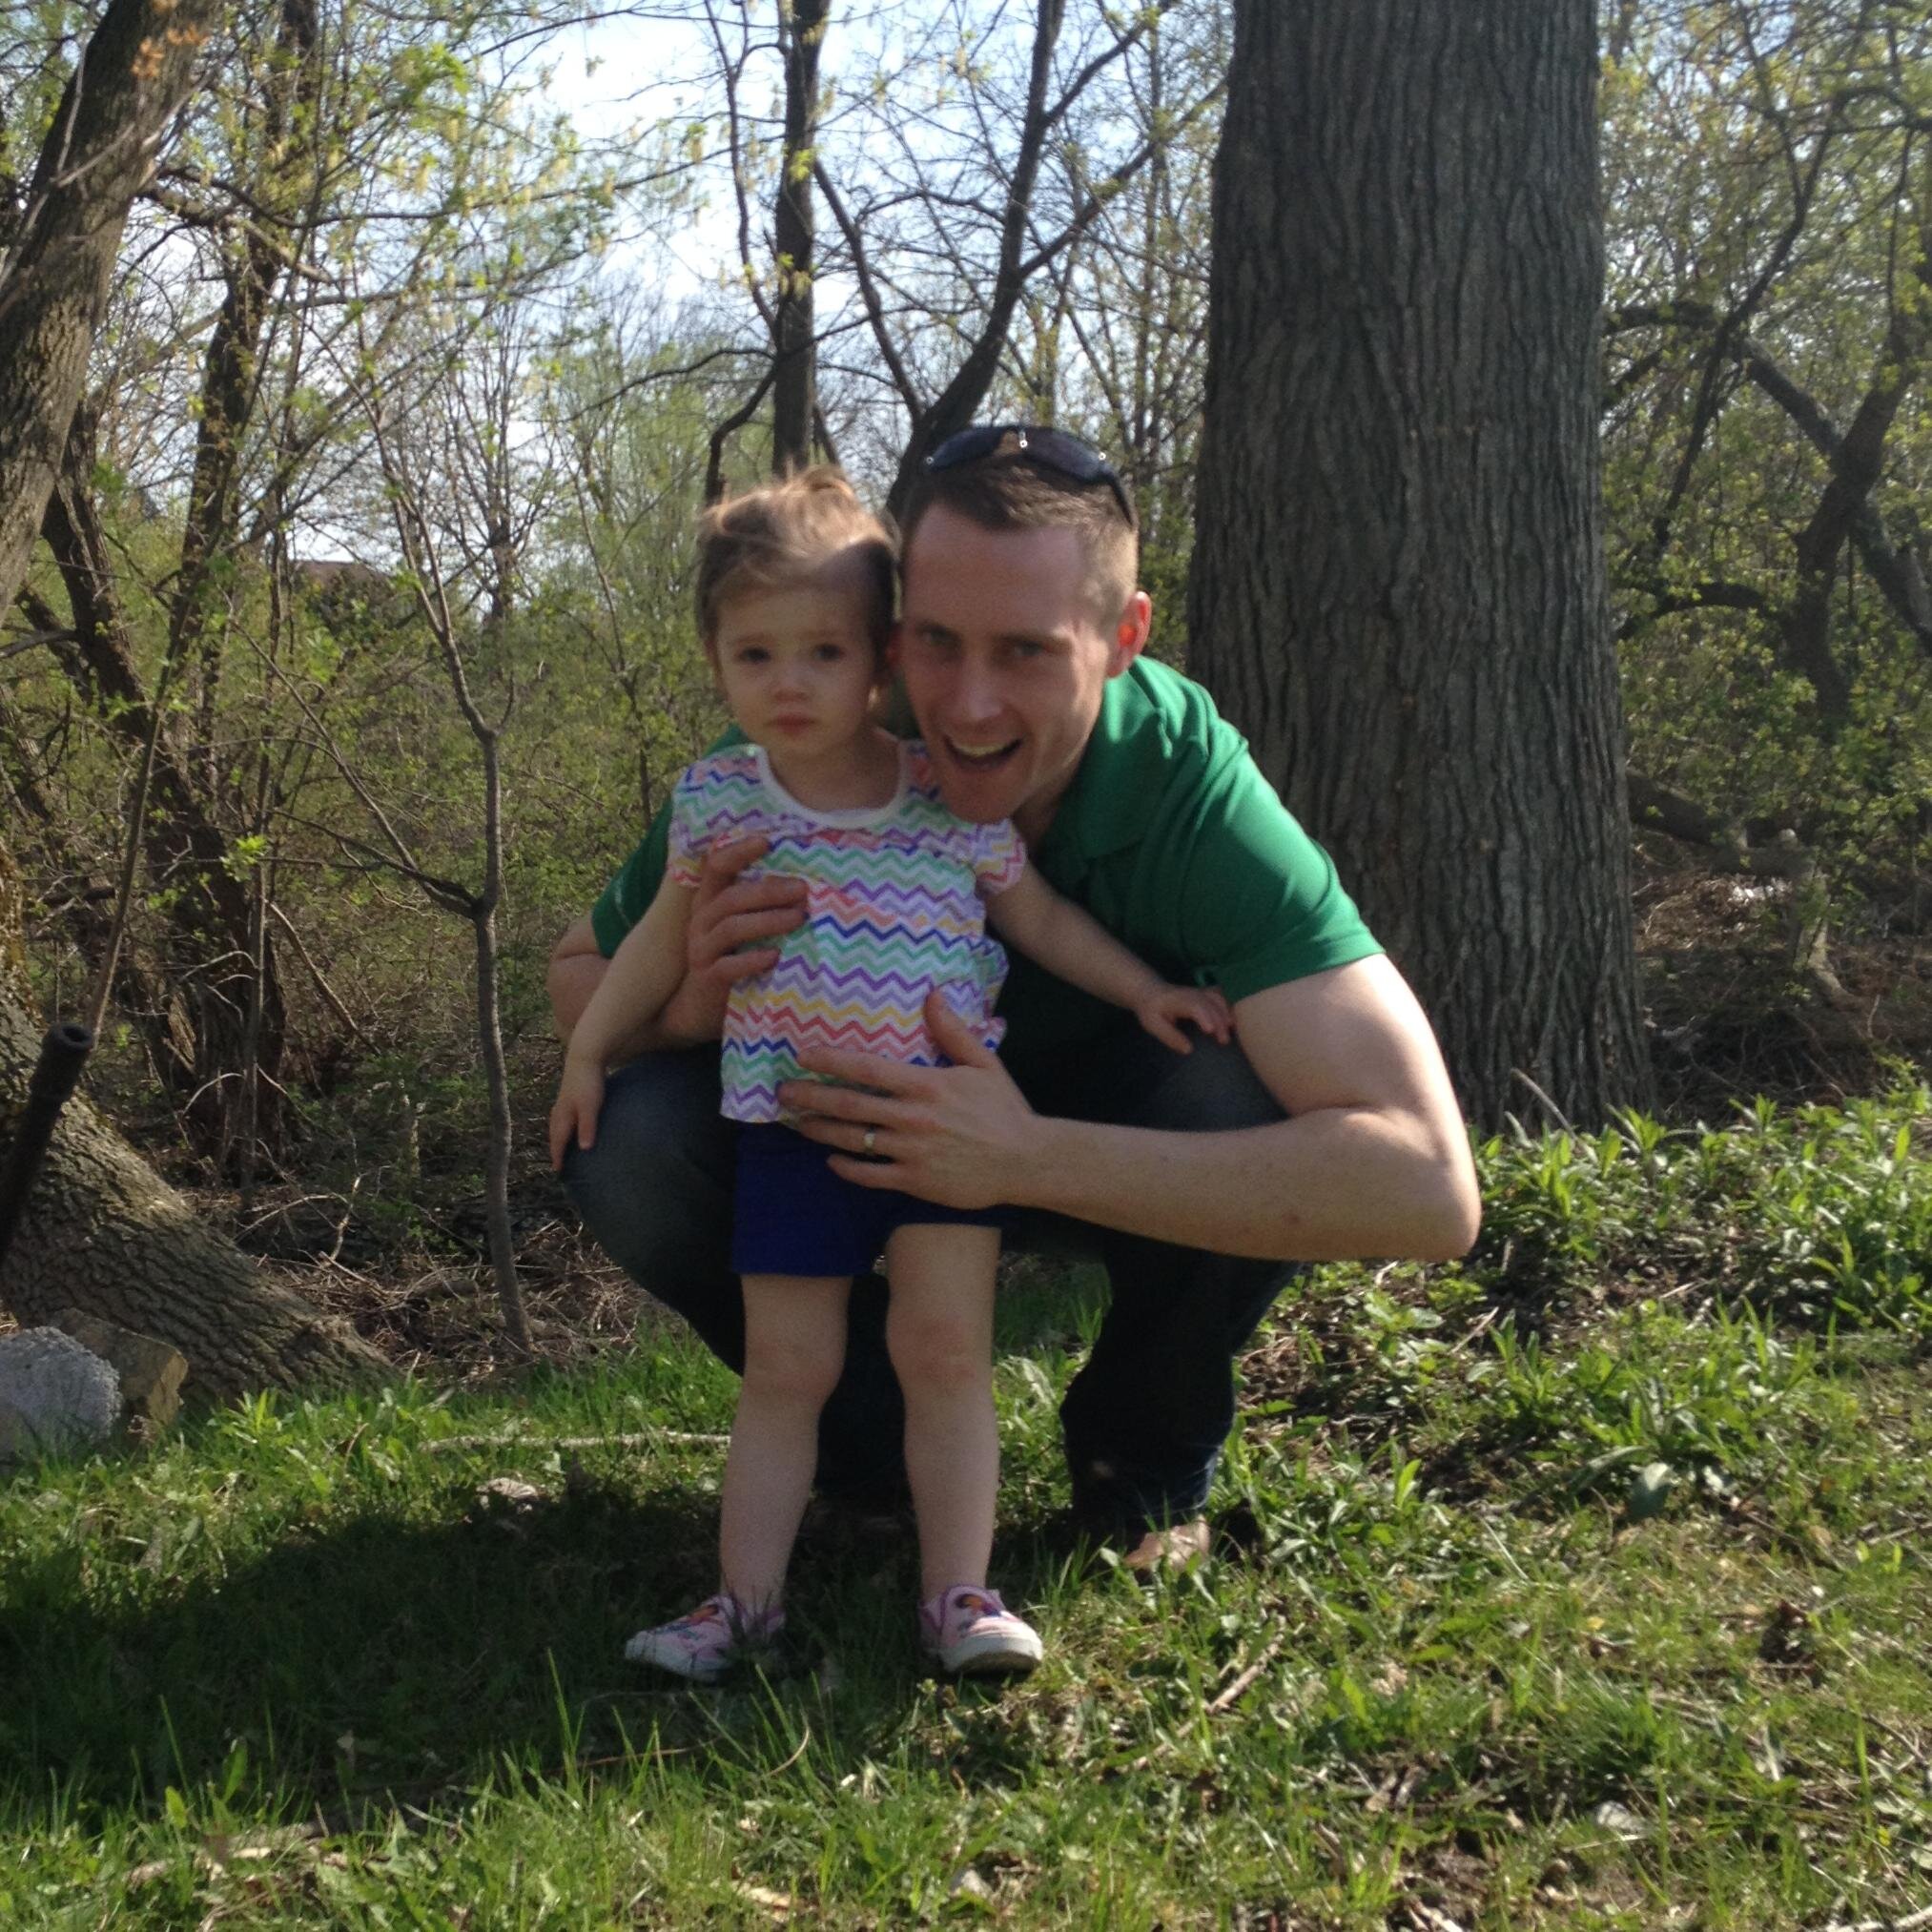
[(1214, 1089), (1130, 1079), (654, 1189)]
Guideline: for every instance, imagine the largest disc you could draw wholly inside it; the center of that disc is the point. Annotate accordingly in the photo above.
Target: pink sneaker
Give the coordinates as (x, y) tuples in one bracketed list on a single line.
[(707, 1643), (970, 1631)]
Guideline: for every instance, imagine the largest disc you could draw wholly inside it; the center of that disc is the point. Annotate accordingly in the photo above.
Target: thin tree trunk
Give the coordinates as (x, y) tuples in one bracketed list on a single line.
[(204, 1045), (99, 152), (252, 270), (417, 546), (497, 1177), (1398, 587), (956, 404), (794, 383)]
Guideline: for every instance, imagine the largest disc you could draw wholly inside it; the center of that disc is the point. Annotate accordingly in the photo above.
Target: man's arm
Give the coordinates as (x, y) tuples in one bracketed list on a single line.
[(577, 969), (1373, 1163)]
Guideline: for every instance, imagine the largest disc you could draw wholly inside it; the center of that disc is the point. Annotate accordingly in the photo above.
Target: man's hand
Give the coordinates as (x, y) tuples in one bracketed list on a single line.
[(728, 913), (958, 1135), (1164, 1010), (580, 1099)]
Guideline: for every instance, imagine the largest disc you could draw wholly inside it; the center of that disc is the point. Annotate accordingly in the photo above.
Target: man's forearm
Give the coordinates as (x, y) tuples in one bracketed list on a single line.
[(1342, 1183), (572, 980)]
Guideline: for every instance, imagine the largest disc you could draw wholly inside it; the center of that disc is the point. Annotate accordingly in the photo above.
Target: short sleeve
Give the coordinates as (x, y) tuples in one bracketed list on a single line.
[(998, 858), (1259, 901), (628, 897), (685, 841)]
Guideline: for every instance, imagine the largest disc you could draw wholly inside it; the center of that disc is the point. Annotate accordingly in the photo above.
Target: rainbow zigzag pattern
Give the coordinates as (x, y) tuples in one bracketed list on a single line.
[(895, 907)]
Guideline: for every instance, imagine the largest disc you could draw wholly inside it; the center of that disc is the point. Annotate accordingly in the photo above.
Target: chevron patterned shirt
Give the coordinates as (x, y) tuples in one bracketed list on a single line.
[(895, 907)]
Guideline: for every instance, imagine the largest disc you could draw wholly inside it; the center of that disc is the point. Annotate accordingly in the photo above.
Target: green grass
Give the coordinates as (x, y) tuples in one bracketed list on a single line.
[(1583, 1584)]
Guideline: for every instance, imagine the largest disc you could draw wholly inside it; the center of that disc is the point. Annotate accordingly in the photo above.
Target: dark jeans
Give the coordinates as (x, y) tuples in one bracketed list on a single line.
[(1144, 1419)]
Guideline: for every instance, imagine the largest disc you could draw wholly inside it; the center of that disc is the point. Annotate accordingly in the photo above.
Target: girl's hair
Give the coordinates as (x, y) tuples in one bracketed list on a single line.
[(772, 538)]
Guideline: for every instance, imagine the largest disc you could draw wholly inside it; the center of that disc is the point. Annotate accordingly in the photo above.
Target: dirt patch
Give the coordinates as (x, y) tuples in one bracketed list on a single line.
[(441, 1319), (1729, 1019)]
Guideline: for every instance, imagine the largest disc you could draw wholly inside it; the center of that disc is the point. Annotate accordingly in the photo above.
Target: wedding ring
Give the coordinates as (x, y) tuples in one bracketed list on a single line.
[(872, 1133)]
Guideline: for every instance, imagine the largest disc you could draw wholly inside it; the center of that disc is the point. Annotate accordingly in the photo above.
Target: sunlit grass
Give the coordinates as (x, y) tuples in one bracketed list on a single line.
[(1584, 1587)]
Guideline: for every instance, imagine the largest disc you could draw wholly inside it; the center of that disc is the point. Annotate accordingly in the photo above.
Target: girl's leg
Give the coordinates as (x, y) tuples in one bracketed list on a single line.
[(939, 1332), (794, 1346)]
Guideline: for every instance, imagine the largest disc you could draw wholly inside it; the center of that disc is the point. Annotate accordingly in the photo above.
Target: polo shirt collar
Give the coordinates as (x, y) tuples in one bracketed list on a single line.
[(1112, 801)]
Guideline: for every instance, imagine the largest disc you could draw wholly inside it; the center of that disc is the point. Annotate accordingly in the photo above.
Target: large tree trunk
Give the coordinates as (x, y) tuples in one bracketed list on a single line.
[(102, 1232), (97, 155), (1397, 589)]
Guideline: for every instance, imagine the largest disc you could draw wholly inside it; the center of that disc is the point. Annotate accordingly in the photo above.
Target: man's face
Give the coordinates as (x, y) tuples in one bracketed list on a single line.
[(1004, 657)]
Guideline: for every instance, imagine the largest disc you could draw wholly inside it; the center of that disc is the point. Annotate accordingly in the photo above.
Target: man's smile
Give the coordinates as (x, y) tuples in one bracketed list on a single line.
[(981, 756)]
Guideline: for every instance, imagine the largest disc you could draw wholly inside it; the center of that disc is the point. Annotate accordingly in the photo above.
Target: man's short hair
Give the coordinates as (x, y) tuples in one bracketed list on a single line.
[(785, 533), (1005, 490)]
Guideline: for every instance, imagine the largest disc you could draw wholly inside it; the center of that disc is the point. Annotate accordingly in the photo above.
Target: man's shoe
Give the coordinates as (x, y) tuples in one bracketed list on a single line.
[(707, 1643), (970, 1632), (1179, 1546)]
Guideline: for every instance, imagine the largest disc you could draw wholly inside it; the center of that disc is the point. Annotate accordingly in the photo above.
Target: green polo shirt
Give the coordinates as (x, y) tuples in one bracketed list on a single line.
[(1175, 842)]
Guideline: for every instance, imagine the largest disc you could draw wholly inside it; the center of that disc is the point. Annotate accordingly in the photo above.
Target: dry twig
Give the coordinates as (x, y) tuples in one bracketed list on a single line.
[(1225, 1699), (1915, 1922), (644, 1439)]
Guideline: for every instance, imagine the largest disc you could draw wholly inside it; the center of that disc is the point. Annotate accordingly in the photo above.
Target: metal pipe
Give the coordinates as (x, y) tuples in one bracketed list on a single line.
[(63, 1053)]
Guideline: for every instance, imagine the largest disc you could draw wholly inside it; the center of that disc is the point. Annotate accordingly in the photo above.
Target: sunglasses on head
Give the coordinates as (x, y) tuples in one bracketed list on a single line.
[(1051, 449)]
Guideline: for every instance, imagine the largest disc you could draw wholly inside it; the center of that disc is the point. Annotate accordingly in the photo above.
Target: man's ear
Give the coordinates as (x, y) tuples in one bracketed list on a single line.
[(1130, 634)]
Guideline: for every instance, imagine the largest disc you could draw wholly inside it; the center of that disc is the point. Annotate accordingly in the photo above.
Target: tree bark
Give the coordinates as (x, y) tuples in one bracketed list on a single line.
[(102, 1232), (98, 153), (1398, 585), (794, 385)]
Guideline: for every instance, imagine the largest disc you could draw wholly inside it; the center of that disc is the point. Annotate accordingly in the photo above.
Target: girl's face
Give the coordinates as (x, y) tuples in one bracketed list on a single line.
[(797, 668)]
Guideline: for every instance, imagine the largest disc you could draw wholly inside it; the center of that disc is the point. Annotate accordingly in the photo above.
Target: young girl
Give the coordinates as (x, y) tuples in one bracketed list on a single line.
[(794, 605)]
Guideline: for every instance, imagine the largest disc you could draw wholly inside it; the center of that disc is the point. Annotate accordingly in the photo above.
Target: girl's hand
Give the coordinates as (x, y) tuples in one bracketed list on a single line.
[(580, 1099), (1164, 1010)]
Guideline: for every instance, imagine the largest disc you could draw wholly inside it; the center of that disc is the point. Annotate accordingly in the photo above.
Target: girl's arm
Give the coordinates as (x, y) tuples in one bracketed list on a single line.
[(645, 971), (1075, 946)]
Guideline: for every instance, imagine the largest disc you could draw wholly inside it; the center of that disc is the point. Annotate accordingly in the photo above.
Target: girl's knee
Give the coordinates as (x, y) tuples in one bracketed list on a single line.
[(935, 1353), (795, 1370)]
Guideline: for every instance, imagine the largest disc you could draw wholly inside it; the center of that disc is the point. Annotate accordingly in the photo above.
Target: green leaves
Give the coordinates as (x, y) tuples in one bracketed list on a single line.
[(1812, 1212)]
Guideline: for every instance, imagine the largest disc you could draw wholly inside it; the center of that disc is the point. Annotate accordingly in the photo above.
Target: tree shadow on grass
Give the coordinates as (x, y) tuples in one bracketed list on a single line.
[(392, 1658), (415, 1654)]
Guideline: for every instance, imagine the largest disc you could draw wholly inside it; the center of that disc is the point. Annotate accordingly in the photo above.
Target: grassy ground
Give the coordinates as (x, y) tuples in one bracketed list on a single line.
[(1582, 1585)]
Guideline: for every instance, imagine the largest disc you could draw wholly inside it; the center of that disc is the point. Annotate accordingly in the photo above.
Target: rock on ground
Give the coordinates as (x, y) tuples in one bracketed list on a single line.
[(54, 1395)]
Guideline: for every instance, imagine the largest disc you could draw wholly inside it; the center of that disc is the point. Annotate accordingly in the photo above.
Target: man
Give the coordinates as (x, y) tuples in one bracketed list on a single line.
[(1328, 1131)]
